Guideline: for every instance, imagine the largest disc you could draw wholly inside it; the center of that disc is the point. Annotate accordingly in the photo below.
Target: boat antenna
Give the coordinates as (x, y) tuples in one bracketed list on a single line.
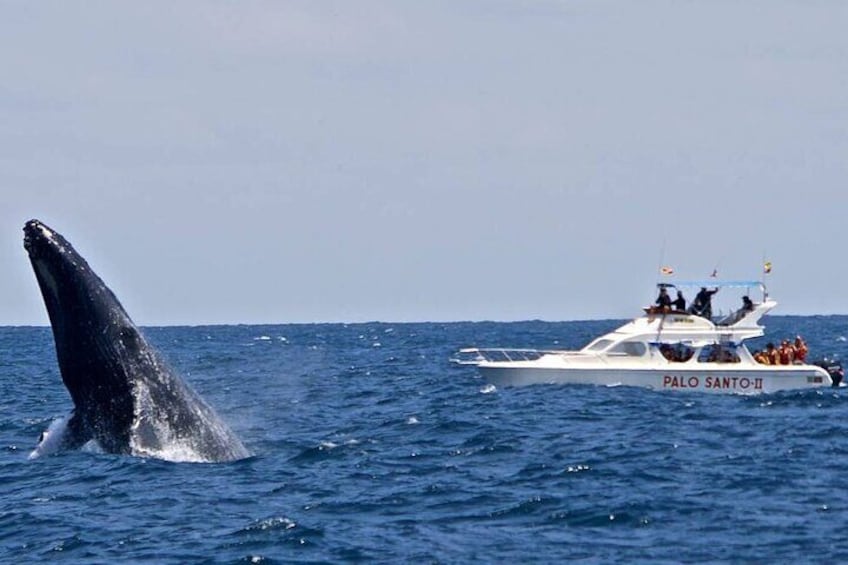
[(660, 326), (662, 258)]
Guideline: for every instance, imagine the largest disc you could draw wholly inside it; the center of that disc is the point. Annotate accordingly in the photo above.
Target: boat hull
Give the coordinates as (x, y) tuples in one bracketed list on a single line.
[(753, 380)]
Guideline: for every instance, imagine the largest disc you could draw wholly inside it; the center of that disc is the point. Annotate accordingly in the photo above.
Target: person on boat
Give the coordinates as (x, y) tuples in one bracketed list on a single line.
[(747, 306), (771, 354), (800, 349), (729, 355), (663, 301), (683, 353), (760, 357), (784, 354), (680, 302), (703, 303)]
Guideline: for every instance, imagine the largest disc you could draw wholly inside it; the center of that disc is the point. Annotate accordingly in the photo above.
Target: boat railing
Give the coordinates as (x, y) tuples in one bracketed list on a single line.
[(475, 355)]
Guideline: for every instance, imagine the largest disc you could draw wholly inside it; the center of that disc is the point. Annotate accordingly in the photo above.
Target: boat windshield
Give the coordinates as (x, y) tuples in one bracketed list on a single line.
[(599, 345), (629, 348)]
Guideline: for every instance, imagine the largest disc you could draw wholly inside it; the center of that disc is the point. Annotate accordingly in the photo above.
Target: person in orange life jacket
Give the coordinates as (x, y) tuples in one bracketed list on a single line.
[(784, 354), (771, 354), (800, 349)]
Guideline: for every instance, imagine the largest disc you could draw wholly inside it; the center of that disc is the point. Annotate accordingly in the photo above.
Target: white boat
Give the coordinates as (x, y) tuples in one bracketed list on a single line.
[(664, 350)]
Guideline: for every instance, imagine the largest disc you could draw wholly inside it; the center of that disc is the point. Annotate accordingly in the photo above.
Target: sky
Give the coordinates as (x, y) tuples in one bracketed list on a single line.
[(334, 161)]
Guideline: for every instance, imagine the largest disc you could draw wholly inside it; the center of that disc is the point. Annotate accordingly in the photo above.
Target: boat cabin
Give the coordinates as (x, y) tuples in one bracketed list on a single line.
[(684, 336)]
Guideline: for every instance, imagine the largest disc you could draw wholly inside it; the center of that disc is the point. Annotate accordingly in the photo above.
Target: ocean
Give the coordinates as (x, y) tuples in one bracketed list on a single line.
[(370, 446)]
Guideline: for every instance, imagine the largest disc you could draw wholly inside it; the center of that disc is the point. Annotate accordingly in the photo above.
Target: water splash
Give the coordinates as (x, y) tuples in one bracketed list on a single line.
[(152, 433), (51, 439)]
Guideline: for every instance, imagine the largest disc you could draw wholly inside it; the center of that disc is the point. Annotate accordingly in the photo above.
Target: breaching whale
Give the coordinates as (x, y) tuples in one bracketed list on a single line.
[(125, 396)]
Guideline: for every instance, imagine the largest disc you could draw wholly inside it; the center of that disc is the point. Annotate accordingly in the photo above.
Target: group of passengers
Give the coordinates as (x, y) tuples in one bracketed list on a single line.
[(786, 354), (701, 306), (716, 353)]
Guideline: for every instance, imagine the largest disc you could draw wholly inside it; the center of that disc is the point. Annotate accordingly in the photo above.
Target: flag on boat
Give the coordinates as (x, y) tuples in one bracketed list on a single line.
[(767, 267), (667, 271)]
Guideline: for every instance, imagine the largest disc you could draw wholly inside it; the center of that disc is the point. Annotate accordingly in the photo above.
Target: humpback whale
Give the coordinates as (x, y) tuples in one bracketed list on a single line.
[(125, 395)]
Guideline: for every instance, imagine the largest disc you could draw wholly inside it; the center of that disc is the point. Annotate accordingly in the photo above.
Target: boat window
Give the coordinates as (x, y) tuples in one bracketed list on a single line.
[(599, 345), (630, 348), (718, 353), (677, 353)]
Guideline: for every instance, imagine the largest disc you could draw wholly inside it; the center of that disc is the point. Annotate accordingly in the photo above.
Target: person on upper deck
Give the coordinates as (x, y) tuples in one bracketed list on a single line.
[(680, 302), (663, 300), (703, 303), (747, 306)]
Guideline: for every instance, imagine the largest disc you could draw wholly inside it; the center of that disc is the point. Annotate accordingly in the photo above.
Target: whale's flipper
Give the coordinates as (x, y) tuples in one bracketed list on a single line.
[(125, 396)]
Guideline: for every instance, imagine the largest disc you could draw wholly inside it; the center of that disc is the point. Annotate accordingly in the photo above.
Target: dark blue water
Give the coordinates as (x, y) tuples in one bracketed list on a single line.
[(370, 446)]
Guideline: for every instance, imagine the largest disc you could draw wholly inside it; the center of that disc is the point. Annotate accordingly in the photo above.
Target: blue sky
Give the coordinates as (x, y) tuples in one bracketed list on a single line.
[(250, 162)]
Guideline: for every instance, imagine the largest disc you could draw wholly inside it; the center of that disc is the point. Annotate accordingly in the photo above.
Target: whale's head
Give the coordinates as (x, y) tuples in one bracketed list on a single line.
[(56, 263), (72, 291), (77, 300)]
